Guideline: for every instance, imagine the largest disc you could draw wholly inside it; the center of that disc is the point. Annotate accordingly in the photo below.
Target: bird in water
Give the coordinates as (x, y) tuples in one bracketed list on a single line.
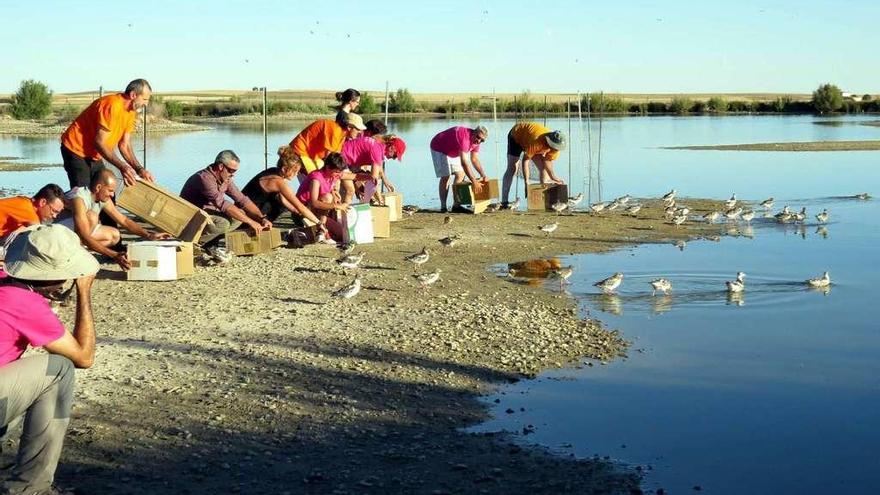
[(863, 196), (767, 204), (733, 214), (562, 274), (419, 258), (669, 196), (737, 285), (712, 216), (609, 284), (823, 216), (449, 241), (680, 244), (730, 203), (784, 216), (548, 228), (748, 215), (572, 202), (801, 215), (350, 261), (823, 281), (661, 284), (559, 207), (349, 290), (427, 279)]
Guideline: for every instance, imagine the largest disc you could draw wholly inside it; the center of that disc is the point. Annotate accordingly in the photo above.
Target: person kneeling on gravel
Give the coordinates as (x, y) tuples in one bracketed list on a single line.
[(40, 386)]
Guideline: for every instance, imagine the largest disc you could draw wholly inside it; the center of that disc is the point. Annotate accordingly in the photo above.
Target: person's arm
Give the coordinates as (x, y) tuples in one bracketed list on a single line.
[(128, 172), (130, 157), (84, 230), (388, 183), (526, 172), (317, 203), (80, 346), (247, 206), (132, 226), (240, 215), (289, 199), (545, 165), (475, 159), (466, 165)]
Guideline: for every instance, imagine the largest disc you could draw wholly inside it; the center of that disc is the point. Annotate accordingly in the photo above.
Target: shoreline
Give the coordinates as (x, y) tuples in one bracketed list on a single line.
[(247, 375), (866, 145)]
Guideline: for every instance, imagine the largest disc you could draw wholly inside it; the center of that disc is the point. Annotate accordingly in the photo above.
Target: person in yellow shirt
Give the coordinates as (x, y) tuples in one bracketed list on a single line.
[(531, 141), (104, 125)]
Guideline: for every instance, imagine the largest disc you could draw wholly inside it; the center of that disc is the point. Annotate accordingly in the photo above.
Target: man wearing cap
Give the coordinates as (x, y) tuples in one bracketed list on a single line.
[(81, 212), (533, 142), (40, 386), (365, 157), (104, 125), (207, 189), (324, 136), (21, 211), (453, 151)]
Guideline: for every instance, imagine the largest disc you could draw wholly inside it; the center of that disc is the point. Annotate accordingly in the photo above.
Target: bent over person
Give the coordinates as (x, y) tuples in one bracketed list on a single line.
[(39, 387), (534, 142), (104, 125)]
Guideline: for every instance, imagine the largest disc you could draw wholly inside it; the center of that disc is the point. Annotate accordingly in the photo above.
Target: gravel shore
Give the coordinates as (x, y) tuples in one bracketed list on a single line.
[(248, 378)]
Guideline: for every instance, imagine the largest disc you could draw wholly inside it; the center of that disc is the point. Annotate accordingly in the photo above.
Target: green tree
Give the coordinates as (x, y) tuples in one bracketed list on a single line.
[(33, 100), (681, 105), (368, 104), (402, 101), (717, 104), (827, 98)]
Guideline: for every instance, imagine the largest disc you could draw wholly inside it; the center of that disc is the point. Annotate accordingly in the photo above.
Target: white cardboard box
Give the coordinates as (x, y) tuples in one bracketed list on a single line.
[(357, 224), (160, 260)]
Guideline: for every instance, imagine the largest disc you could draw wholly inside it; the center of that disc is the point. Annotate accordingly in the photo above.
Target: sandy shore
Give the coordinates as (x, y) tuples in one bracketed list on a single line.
[(248, 378), (793, 146)]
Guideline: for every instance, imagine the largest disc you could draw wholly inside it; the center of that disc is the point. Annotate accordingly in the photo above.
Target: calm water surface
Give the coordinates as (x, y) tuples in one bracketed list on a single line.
[(777, 391)]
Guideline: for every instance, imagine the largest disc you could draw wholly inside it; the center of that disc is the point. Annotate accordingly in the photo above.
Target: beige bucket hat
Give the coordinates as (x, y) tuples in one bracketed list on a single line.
[(49, 252)]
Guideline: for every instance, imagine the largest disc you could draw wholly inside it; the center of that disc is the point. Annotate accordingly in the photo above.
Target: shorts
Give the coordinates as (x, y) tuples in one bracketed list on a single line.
[(80, 170), (513, 148), (445, 165), (68, 222), (310, 165)]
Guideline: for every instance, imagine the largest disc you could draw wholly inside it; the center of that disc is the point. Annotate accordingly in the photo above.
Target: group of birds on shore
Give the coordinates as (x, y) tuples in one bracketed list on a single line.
[(351, 261)]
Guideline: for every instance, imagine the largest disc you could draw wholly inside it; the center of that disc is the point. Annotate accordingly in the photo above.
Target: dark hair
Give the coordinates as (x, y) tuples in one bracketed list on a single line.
[(50, 192), (138, 86), (347, 96), (376, 126), (334, 161), (102, 176)]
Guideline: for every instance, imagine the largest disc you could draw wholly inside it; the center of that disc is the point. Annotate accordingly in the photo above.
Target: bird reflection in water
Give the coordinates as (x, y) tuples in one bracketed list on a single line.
[(609, 303), (736, 298), (661, 304)]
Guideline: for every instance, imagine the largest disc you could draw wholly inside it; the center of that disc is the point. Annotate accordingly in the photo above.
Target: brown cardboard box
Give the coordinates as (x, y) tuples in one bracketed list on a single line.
[(542, 197), (242, 243), (464, 193), (394, 201), (160, 260), (164, 210), (381, 221), (302, 236)]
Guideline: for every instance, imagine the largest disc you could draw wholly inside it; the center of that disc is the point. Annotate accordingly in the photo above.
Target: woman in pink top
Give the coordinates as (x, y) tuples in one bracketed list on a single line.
[(452, 152), (320, 191), (365, 157)]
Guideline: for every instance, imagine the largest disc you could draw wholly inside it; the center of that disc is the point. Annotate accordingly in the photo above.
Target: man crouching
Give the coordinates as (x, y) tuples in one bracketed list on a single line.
[(40, 386)]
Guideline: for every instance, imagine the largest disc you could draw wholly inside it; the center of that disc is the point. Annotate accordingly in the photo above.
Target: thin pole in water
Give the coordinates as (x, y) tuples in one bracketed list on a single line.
[(545, 110), (568, 112), (265, 131), (589, 148), (495, 122), (581, 135), (144, 162), (599, 151)]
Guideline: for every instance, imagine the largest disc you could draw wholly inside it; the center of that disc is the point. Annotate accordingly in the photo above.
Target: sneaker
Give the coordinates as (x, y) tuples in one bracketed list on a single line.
[(504, 205), (219, 254)]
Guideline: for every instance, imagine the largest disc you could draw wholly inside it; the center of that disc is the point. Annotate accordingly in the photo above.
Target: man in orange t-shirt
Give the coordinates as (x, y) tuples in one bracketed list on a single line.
[(106, 124), (531, 141), (20, 211), (323, 136)]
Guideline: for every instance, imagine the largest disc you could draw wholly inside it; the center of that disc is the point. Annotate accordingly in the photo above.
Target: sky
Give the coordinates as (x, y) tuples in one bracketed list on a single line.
[(562, 46)]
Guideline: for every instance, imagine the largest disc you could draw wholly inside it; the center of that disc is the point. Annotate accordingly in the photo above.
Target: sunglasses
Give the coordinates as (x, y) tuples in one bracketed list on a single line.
[(230, 170)]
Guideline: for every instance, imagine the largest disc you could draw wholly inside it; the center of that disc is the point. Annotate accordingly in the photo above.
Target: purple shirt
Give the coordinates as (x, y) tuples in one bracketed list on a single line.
[(454, 141), (363, 151), (304, 193), (204, 190)]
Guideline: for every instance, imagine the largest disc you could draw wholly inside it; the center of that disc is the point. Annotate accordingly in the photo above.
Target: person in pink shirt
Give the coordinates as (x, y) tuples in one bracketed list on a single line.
[(40, 386), (365, 157), (453, 151), (320, 191)]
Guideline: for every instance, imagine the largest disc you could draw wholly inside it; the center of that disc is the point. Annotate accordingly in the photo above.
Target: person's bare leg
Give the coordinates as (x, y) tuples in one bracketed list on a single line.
[(347, 191), (507, 180), (444, 191), (107, 236), (459, 178)]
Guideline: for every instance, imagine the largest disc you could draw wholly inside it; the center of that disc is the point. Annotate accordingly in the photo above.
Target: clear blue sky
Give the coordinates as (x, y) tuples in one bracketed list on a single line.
[(450, 46)]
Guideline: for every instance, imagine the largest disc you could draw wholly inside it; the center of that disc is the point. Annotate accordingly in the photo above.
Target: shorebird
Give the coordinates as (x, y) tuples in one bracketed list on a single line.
[(349, 290), (680, 244), (515, 204), (783, 216), (748, 215), (609, 284), (548, 228), (447, 220), (863, 196), (572, 202), (669, 212), (660, 284), (822, 217), (712, 216), (559, 206), (823, 281), (427, 279), (418, 258), (598, 207), (767, 204), (346, 247), (733, 214), (350, 262), (409, 210), (679, 219), (624, 199), (562, 274), (613, 205), (493, 207), (669, 196), (449, 241), (684, 210), (801, 215), (632, 210), (737, 285), (730, 203)]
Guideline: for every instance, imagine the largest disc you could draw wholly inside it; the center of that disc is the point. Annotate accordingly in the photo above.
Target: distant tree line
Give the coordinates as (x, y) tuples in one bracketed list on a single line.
[(33, 100)]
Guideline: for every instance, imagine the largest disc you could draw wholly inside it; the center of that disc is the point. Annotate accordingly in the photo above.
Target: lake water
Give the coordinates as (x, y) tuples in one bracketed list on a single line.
[(777, 391)]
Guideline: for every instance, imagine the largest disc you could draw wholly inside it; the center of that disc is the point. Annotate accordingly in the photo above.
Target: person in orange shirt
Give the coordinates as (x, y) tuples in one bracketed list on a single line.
[(104, 125), (20, 211), (322, 137), (534, 142)]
